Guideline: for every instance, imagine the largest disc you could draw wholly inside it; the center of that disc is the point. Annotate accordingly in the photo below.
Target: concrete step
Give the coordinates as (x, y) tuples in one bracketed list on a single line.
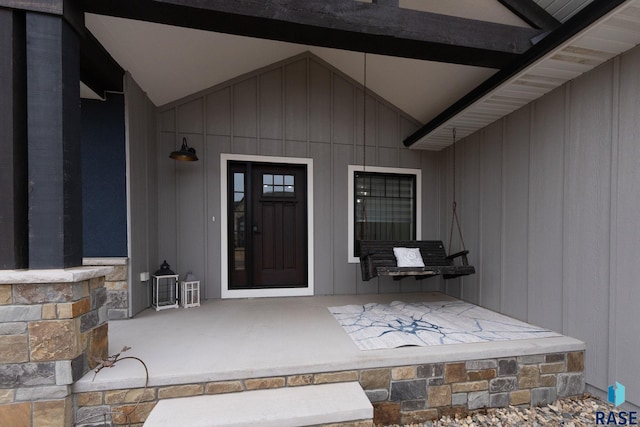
[(282, 407)]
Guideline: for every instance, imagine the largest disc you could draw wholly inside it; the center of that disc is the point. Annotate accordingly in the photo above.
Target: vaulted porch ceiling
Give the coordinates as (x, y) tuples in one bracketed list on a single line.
[(382, 27), (172, 61), (177, 47)]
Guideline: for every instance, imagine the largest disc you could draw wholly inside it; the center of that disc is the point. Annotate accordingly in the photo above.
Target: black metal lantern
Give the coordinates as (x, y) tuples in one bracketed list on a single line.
[(165, 288)]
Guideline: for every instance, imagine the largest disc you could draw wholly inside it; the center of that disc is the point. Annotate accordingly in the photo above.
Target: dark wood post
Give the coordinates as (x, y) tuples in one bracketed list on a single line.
[(53, 126), (14, 250)]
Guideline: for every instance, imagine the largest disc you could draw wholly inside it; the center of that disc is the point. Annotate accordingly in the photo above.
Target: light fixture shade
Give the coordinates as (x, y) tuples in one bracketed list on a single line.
[(186, 153)]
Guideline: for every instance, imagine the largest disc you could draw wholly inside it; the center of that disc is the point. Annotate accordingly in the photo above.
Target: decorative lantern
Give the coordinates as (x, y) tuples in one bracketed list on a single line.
[(190, 291), (165, 288)]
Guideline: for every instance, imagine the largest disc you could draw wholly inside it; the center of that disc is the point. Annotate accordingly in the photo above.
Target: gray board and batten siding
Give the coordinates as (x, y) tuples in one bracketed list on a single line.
[(550, 201), (547, 196), (301, 107), (142, 192)]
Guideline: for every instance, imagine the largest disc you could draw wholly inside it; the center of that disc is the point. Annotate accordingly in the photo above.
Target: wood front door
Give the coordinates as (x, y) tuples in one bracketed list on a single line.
[(267, 225)]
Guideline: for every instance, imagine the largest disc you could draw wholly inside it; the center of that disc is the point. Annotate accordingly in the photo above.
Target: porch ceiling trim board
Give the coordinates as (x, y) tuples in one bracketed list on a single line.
[(378, 28), (599, 32)]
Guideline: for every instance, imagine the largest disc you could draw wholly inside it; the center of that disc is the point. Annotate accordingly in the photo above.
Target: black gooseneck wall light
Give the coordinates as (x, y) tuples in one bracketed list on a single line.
[(186, 153)]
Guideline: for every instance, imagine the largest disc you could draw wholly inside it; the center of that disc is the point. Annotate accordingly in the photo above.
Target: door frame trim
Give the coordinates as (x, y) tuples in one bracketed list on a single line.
[(227, 293)]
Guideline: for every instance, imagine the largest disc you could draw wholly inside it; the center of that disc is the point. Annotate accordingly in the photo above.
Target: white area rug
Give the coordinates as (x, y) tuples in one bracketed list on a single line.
[(377, 326)]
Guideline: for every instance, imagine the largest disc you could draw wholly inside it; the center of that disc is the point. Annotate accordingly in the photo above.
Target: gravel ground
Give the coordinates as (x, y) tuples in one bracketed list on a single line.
[(570, 412)]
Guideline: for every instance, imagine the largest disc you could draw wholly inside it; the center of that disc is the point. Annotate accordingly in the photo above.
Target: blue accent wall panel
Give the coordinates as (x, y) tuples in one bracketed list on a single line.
[(104, 194)]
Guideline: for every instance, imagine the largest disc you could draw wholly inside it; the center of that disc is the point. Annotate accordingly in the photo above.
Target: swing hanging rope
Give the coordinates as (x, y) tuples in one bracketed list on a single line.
[(454, 218)]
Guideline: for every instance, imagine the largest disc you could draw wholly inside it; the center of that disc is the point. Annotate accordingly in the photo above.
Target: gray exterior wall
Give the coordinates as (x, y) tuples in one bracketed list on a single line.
[(547, 196), (301, 107), (550, 201), (142, 196)]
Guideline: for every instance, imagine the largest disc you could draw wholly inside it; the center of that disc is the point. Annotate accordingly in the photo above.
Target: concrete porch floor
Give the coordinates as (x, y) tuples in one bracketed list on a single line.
[(252, 338)]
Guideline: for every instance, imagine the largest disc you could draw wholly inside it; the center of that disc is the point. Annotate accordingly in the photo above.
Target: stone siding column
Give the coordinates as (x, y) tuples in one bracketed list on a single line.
[(116, 284), (53, 323)]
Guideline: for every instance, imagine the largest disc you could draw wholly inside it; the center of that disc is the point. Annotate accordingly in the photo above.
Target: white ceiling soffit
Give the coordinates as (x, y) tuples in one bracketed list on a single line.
[(562, 10), (160, 56), (87, 93), (482, 10), (610, 36)]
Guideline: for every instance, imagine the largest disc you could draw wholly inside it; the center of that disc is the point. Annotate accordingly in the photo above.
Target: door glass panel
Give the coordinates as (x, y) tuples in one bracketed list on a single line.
[(239, 221), (289, 184), (278, 185), (267, 184)]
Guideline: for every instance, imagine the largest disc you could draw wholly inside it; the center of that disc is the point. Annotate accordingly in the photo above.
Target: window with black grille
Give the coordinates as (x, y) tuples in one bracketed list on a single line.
[(384, 207)]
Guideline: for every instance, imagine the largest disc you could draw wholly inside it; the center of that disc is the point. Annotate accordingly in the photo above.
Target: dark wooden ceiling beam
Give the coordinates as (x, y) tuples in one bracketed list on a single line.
[(531, 13), (67, 8), (389, 3), (98, 70), (342, 24), (55, 7)]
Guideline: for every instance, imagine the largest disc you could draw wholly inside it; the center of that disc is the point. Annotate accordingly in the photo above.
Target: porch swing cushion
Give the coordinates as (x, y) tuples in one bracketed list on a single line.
[(408, 257), (377, 258)]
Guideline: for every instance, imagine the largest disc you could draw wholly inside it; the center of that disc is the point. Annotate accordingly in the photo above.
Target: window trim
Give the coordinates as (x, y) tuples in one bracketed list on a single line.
[(351, 170)]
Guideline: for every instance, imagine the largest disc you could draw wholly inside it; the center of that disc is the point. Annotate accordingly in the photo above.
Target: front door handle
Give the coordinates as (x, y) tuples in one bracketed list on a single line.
[(255, 230)]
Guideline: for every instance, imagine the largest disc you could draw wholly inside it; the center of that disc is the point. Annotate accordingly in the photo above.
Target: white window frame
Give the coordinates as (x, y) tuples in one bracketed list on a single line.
[(227, 293), (352, 169)]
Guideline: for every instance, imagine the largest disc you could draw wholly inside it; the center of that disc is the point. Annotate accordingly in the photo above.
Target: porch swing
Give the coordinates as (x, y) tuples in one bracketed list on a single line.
[(418, 258)]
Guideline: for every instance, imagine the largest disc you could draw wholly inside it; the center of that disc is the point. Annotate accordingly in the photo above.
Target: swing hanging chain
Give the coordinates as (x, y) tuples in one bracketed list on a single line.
[(364, 113), (364, 228), (454, 168), (455, 204)]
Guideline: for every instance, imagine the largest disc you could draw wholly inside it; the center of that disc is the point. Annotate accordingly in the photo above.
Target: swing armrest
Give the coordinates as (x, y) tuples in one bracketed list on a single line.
[(366, 265), (462, 254)]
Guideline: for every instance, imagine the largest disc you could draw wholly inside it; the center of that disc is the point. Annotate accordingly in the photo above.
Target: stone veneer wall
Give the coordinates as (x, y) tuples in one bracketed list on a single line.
[(400, 395), (50, 334), (116, 284)]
